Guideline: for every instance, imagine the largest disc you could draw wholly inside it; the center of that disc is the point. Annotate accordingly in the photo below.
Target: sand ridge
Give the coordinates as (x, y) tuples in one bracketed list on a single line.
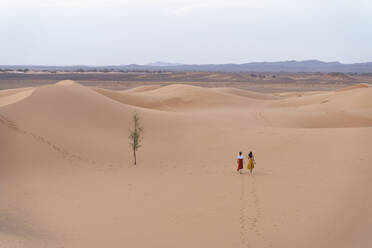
[(12, 96)]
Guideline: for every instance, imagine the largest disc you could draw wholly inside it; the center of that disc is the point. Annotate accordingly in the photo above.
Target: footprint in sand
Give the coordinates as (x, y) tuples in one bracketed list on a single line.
[(250, 213), (242, 215)]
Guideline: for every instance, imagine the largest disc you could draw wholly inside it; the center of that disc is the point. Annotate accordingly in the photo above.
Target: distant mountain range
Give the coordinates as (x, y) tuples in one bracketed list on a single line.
[(282, 66), (159, 63)]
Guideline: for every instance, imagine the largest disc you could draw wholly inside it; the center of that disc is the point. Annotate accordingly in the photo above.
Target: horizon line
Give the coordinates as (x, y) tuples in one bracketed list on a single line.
[(175, 64)]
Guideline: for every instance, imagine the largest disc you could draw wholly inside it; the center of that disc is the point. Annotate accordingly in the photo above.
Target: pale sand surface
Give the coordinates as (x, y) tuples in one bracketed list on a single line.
[(67, 178), (11, 96)]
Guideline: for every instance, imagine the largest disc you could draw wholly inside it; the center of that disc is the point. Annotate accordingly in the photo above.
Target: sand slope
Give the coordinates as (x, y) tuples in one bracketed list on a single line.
[(11, 96), (67, 178), (245, 93)]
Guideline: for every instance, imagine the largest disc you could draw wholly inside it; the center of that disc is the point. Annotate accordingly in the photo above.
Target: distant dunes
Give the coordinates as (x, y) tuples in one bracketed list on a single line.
[(68, 100)]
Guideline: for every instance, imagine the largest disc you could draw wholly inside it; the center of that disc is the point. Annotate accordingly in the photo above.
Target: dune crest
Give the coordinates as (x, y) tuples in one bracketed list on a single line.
[(67, 83), (355, 86), (15, 96), (142, 89)]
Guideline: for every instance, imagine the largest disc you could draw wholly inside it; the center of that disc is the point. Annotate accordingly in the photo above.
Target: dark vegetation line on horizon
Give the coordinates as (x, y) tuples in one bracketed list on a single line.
[(259, 82), (307, 66)]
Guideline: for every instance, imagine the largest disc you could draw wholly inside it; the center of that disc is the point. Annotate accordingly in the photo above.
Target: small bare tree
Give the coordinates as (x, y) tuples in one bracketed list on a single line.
[(135, 136)]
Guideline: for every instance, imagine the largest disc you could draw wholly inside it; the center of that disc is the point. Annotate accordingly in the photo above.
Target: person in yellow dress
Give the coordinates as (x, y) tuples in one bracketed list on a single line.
[(251, 162)]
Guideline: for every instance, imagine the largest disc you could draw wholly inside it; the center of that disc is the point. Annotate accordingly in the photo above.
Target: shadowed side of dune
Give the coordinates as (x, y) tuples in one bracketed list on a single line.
[(138, 100)]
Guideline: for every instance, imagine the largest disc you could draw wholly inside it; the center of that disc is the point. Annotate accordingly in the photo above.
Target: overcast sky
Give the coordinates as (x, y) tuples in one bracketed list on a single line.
[(114, 32)]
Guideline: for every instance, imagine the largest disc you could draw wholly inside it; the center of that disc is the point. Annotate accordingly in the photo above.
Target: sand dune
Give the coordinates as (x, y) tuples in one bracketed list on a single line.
[(124, 97), (10, 92), (12, 96), (186, 97), (343, 108), (181, 98), (67, 177), (68, 114)]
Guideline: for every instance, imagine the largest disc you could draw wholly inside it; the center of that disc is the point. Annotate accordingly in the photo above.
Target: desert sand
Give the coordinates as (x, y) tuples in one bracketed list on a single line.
[(67, 176)]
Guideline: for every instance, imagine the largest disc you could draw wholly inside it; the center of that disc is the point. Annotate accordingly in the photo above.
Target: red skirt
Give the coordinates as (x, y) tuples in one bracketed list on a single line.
[(240, 164)]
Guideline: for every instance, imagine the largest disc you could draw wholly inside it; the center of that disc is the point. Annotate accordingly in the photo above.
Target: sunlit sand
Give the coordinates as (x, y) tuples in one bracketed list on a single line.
[(67, 176)]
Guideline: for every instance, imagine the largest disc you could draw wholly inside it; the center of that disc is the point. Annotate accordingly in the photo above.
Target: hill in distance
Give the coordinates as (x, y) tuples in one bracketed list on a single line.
[(281, 66)]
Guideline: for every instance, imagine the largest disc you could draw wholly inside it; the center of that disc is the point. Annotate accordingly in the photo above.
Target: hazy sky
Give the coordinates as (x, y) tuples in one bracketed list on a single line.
[(113, 32)]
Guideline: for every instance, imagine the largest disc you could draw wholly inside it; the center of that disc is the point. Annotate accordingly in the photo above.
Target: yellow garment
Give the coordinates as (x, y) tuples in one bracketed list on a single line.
[(250, 164)]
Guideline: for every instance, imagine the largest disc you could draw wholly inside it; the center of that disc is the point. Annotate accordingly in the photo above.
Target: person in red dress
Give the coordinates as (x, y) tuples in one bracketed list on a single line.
[(240, 162)]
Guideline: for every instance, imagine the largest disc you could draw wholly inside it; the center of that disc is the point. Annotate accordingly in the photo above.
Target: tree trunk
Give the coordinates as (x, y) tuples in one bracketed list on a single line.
[(135, 157)]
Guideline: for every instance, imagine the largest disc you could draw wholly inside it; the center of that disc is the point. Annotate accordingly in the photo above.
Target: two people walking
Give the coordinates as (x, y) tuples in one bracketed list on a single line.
[(251, 162)]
